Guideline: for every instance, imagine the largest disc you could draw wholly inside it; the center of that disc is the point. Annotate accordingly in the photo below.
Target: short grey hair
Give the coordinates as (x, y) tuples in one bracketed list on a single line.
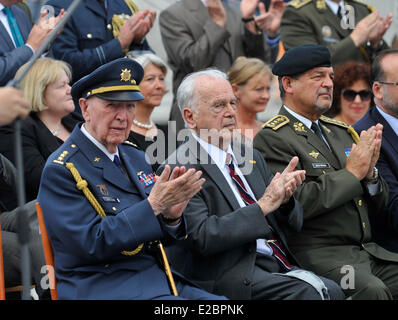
[(150, 58), (186, 97)]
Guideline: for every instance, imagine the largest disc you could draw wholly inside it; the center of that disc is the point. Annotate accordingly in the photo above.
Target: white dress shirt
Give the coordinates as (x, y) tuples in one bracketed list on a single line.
[(392, 121), (219, 157)]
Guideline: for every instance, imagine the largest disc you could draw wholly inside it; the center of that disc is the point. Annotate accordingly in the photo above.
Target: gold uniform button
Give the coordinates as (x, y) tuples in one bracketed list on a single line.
[(114, 208), (364, 225), (360, 203), (109, 26), (89, 35), (73, 146)]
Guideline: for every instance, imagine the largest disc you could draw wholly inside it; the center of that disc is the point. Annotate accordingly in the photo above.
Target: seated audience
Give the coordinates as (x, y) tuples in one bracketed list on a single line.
[(239, 220), (104, 212), (342, 189), (384, 76), (350, 29), (50, 122), (199, 34), (13, 105), (352, 95), (19, 39), (251, 82), (144, 131)]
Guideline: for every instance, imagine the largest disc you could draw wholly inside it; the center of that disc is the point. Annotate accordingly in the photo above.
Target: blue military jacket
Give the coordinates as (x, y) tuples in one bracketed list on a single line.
[(87, 248), (87, 40)]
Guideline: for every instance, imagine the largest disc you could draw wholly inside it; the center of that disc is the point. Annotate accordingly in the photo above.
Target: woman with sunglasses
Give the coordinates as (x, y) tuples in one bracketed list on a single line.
[(352, 94)]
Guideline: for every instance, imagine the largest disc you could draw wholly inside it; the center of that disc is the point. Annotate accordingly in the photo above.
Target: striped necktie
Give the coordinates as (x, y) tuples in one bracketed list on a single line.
[(16, 34), (276, 246)]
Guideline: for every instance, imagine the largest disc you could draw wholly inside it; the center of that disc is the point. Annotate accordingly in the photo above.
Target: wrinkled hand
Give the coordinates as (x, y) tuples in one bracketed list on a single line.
[(42, 29), (270, 21), (173, 190), (376, 152), (282, 187), (377, 33), (217, 12), (136, 27), (364, 27), (12, 105), (359, 162)]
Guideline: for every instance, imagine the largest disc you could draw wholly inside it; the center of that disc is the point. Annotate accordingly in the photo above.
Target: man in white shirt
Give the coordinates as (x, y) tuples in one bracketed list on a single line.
[(385, 89), (237, 222)]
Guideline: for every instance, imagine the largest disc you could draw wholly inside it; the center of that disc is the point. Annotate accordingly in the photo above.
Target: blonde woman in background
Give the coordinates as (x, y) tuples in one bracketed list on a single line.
[(50, 122), (251, 83)]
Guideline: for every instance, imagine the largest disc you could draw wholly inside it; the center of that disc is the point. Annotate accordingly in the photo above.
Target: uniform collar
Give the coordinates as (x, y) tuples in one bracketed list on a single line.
[(304, 120), (99, 145), (335, 6)]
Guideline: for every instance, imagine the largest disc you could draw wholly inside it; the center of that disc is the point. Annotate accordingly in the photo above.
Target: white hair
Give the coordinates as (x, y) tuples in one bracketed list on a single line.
[(186, 97), (150, 58)]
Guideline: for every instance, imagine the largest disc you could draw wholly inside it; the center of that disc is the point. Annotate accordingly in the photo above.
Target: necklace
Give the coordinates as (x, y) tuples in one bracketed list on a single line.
[(143, 125), (56, 131)]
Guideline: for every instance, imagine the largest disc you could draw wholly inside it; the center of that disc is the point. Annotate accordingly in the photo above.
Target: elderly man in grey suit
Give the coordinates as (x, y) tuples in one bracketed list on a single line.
[(198, 34), (237, 222), (18, 39)]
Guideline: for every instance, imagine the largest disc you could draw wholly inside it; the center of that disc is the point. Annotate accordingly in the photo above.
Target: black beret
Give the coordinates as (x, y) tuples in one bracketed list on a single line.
[(116, 80), (300, 59)]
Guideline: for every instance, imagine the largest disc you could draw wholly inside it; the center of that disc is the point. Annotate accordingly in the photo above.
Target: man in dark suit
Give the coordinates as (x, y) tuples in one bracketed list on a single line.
[(19, 40), (237, 223), (100, 31), (199, 34), (342, 189), (103, 210), (385, 89)]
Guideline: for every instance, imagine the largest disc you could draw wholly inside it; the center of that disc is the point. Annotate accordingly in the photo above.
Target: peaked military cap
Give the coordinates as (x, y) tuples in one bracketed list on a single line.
[(116, 80), (303, 58)]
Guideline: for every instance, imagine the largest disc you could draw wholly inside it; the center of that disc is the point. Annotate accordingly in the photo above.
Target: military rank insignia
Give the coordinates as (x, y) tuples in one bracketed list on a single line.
[(146, 179)]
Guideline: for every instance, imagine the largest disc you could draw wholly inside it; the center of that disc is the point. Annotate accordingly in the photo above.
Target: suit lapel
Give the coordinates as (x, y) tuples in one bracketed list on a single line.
[(131, 171), (388, 133), (201, 156)]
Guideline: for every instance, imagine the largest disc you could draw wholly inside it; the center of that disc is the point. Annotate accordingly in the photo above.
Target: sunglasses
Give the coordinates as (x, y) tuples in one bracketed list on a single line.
[(350, 95)]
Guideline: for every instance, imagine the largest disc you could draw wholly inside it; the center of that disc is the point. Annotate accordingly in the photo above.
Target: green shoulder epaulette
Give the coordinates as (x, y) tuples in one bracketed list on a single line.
[(332, 121), (130, 144), (276, 122), (371, 8), (297, 4)]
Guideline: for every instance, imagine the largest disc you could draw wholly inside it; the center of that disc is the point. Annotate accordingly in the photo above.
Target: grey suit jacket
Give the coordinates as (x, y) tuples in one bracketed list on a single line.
[(194, 42), (220, 251), (11, 58)]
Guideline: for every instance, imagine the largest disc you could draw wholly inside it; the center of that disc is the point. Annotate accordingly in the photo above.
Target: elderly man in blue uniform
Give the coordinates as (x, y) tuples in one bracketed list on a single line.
[(100, 31), (104, 208)]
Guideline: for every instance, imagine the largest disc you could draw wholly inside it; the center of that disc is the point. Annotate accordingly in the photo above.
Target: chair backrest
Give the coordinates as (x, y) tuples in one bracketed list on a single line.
[(2, 284), (48, 253)]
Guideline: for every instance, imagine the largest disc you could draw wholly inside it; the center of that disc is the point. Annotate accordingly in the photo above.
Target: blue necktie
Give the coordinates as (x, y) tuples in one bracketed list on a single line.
[(116, 161), (16, 34)]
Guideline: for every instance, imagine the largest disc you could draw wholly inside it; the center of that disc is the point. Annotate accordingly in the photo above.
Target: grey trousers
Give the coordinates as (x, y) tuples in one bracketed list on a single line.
[(267, 285), (12, 249)]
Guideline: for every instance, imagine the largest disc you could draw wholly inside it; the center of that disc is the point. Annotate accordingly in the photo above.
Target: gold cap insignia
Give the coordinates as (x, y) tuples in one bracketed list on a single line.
[(125, 75), (314, 154)]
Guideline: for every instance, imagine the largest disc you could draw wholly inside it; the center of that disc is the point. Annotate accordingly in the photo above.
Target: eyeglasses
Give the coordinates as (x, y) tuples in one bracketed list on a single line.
[(392, 83), (350, 95)]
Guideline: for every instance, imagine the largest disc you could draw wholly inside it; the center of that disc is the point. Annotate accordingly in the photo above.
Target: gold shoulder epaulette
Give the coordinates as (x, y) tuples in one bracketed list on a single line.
[(276, 122), (131, 144), (371, 8), (297, 4), (335, 122)]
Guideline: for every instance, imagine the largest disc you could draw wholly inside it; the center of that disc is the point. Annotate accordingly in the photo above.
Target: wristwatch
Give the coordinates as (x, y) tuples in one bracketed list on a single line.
[(375, 177)]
